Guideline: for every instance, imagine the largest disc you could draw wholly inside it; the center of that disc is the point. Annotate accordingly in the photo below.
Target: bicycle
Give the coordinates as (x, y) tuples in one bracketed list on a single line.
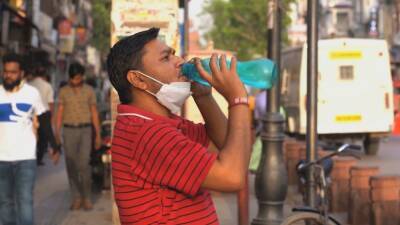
[(322, 167)]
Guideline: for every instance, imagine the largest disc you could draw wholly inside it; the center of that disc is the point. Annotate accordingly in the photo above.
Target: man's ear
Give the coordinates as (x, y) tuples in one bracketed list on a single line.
[(134, 78)]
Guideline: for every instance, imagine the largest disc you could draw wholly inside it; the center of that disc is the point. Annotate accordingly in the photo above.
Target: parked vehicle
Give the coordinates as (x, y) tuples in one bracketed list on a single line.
[(355, 91), (100, 159)]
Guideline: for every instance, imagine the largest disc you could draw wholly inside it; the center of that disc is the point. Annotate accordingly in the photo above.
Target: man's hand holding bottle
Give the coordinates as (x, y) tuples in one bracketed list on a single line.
[(225, 80)]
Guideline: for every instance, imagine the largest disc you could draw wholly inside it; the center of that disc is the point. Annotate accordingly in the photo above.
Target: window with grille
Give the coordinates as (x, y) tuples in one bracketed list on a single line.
[(346, 72)]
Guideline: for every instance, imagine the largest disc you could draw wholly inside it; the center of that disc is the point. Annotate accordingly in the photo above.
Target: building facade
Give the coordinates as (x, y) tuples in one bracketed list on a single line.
[(347, 18), (55, 32)]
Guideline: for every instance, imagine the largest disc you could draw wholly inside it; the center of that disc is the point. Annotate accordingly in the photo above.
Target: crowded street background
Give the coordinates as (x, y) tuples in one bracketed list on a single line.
[(68, 68)]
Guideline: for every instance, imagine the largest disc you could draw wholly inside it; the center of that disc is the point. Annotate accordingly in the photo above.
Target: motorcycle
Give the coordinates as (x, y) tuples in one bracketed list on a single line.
[(100, 159)]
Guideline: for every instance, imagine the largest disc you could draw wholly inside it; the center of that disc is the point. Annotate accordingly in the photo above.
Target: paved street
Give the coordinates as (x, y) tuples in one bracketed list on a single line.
[(52, 197), (388, 160), (52, 200)]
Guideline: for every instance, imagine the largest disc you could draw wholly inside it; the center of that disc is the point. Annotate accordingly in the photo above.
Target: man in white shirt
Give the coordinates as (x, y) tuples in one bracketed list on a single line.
[(45, 132), (20, 103)]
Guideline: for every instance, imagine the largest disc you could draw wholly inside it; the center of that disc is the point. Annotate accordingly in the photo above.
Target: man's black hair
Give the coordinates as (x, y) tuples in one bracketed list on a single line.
[(76, 69), (39, 69), (40, 72), (126, 55), (13, 57)]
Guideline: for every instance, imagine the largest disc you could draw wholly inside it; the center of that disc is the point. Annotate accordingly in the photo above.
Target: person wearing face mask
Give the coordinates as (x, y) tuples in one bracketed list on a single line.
[(162, 164), (76, 114)]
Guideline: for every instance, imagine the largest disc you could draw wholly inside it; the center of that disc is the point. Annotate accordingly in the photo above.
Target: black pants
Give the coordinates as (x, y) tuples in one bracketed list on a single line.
[(42, 144), (45, 136)]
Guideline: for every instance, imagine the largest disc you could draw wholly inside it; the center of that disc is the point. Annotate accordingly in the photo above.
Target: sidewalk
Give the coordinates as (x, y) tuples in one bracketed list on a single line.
[(52, 194), (52, 201), (227, 205)]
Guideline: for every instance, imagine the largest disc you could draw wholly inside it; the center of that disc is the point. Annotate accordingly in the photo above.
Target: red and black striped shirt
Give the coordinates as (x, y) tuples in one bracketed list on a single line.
[(158, 166)]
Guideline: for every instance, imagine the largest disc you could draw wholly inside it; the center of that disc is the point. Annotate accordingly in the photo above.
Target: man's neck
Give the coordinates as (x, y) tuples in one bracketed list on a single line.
[(149, 103), (76, 87), (40, 78)]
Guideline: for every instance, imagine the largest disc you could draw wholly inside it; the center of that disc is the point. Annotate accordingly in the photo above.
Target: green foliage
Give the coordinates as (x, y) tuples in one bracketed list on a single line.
[(241, 26), (101, 13)]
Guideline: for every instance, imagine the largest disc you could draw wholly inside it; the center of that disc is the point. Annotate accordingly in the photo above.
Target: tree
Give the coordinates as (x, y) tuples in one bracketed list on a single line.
[(101, 13), (241, 26)]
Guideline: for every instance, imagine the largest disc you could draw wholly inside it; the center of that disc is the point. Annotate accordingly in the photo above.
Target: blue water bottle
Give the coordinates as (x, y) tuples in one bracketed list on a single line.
[(259, 73)]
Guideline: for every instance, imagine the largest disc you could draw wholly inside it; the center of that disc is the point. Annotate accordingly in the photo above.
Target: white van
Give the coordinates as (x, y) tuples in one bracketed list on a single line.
[(355, 93)]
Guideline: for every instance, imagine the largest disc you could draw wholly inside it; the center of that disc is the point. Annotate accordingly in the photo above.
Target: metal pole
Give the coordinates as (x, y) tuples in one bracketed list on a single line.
[(312, 93), (271, 178), (185, 50), (5, 26), (362, 13), (186, 28)]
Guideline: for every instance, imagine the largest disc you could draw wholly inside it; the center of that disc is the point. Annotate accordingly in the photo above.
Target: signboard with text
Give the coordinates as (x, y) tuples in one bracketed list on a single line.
[(132, 16)]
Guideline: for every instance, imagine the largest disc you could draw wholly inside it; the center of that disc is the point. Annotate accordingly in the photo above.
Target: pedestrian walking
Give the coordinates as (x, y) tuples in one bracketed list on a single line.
[(45, 131), (164, 165), (20, 104), (76, 115)]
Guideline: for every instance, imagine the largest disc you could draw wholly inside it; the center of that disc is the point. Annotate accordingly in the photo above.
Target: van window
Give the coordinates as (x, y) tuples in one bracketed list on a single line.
[(346, 72)]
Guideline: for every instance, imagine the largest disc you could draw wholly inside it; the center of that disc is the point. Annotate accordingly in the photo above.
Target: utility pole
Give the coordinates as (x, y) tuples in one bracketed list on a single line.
[(186, 23), (362, 13), (312, 94), (271, 178)]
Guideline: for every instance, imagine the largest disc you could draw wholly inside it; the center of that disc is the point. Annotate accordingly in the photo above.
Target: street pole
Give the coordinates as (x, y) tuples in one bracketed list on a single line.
[(271, 178), (186, 28), (362, 13), (312, 94)]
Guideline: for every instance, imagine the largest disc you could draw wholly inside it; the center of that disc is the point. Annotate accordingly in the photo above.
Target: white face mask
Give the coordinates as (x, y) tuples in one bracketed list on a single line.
[(172, 95)]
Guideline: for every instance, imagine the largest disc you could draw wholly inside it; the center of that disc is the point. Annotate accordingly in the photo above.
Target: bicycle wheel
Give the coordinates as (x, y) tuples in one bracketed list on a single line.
[(306, 218)]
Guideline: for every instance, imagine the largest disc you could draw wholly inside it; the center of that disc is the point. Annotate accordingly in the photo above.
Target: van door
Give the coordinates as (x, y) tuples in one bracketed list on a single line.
[(342, 90), (353, 92)]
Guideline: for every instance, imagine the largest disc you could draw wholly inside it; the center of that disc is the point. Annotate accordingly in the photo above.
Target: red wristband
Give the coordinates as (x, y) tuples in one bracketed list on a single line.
[(239, 101)]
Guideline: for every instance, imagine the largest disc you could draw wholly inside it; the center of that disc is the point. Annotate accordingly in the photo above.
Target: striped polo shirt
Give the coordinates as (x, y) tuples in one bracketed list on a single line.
[(158, 166)]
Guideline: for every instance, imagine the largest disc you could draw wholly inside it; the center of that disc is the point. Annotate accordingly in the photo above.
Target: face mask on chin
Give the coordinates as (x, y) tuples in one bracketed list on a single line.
[(172, 95)]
